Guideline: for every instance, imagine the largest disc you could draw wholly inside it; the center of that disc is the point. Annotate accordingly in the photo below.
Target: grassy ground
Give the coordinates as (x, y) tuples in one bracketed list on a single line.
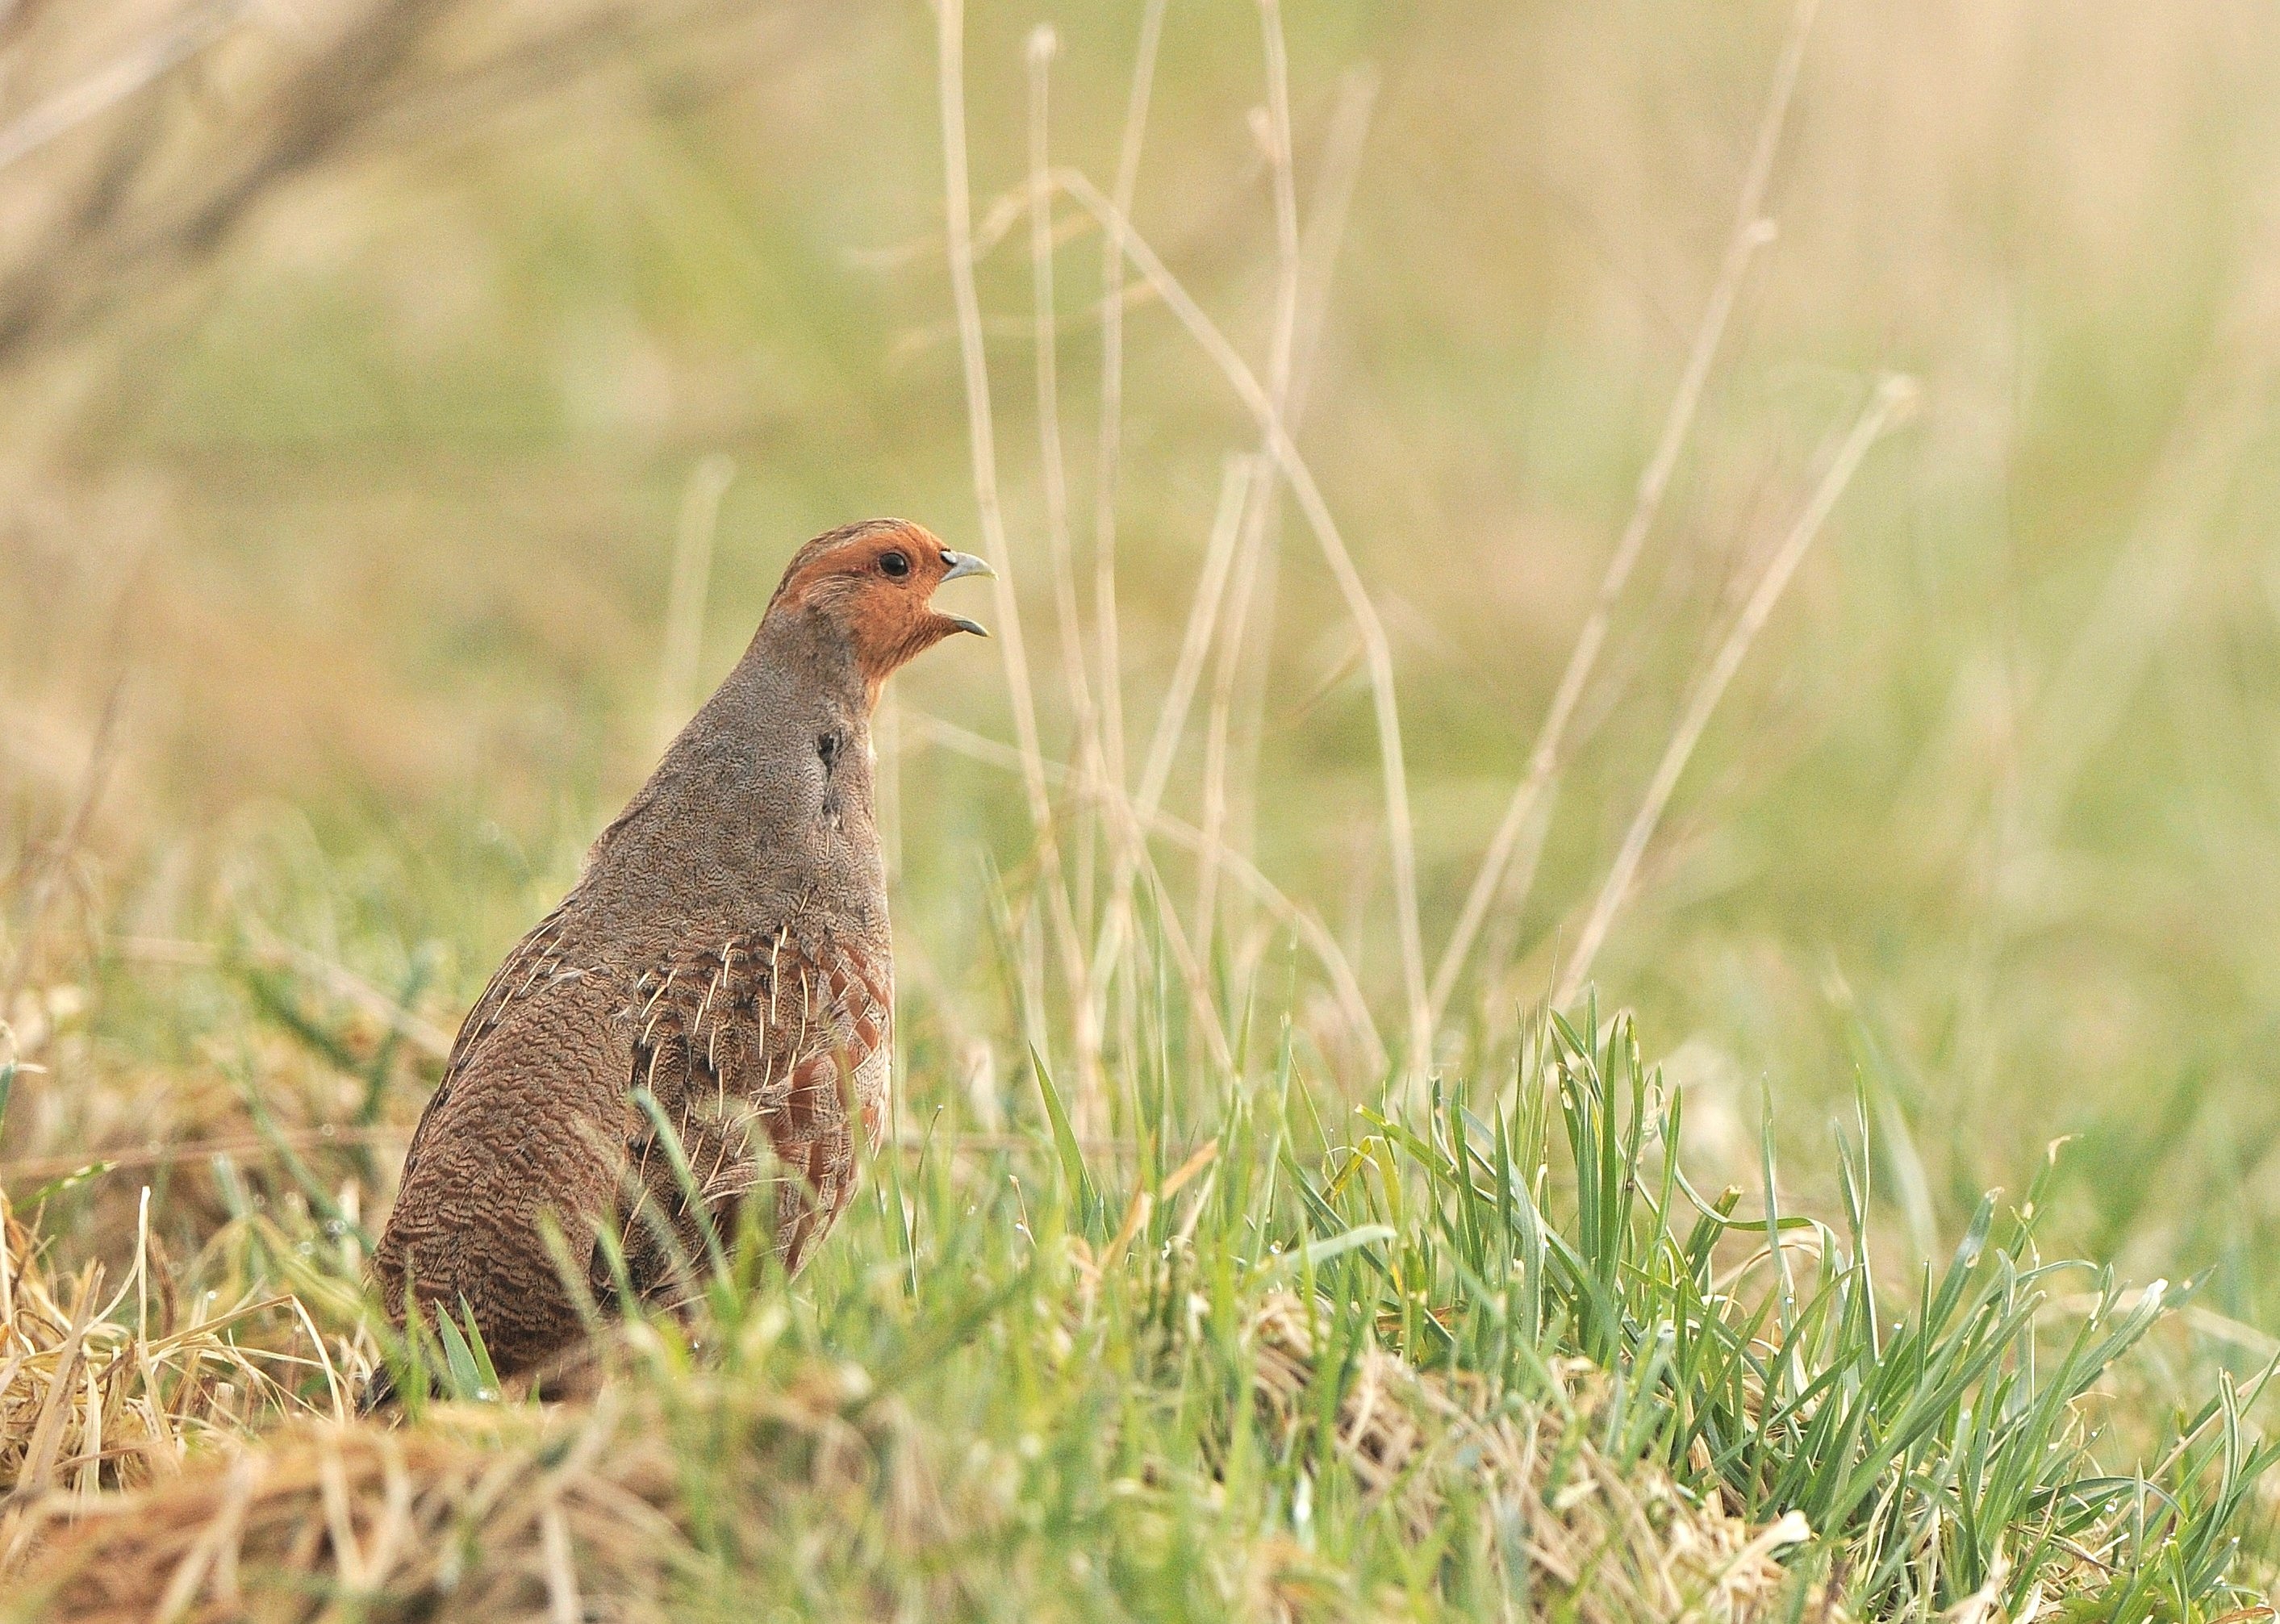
[(409, 416), (1489, 1357)]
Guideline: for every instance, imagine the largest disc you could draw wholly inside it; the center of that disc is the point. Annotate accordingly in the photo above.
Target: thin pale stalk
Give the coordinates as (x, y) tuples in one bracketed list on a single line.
[(1041, 47), (102, 90), (1310, 931), (1306, 305), (2087, 696), (1502, 935), (1233, 646), (1236, 485), (1111, 397), (1231, 755), (1893, 396), (982, 445), (1176, 938), (1377, 650), (1751, 232), (1171, 722), (1286, 202), (1279, 362)]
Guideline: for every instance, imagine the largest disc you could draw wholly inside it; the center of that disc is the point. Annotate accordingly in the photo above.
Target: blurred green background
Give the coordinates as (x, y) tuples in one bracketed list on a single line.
[(348, 438)]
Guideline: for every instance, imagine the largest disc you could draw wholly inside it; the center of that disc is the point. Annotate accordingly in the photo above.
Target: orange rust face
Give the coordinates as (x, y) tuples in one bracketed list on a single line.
[(874, 580)]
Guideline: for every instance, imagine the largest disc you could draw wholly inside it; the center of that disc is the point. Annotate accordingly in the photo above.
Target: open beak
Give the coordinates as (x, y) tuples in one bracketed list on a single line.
[(966, 564)]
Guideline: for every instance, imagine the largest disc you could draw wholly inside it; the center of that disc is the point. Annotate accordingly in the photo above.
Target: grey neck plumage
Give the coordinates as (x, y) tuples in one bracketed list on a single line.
[(760, 813)]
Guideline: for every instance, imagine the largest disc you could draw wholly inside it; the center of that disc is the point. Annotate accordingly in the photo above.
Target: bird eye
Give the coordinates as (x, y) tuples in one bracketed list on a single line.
[(894, 563)]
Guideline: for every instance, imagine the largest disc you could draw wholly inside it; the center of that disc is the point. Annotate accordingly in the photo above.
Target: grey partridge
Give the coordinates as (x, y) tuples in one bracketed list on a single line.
[(727, 949)]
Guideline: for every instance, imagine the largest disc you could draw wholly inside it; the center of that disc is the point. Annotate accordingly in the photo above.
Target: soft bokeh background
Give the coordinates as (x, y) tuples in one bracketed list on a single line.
[(348, 433)]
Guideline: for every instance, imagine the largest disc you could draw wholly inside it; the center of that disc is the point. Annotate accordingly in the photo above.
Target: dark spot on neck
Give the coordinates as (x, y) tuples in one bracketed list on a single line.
[(829, 746)]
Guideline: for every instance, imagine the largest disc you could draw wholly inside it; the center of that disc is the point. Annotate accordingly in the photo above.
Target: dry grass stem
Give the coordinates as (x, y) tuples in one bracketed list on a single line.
[(1237, 480), (1750, 231), (2151, 578), (1127, 816), (1377, 651), (1245, 495), (982, 441), (1104, 629), (1171, 723), (1893, 395), (1280, 359), (1310, 286), (1344, 986), (1236, 730), (1054, 476), (99, 92), (1051, 462)]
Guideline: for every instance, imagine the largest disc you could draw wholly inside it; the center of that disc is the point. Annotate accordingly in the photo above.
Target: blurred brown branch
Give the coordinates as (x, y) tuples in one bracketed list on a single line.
[(115, 180)]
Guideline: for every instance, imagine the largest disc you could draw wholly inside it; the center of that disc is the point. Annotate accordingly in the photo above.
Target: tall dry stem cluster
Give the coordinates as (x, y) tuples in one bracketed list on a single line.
[(1096, 819)]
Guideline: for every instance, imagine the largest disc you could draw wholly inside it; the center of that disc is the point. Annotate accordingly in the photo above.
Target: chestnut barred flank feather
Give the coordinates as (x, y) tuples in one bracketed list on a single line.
[(723, 971)]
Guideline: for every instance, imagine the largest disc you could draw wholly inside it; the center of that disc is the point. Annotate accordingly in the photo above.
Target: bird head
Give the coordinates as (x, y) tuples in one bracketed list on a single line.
[(874, 584)]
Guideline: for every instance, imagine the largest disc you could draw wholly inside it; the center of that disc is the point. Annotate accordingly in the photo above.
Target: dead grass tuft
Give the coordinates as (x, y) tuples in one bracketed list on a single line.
[(107, 1390), (1603, 1542), (482, 1514)]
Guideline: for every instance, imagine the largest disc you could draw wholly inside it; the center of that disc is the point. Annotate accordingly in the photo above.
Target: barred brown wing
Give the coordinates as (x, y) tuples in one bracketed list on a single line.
[(762, 1055)]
